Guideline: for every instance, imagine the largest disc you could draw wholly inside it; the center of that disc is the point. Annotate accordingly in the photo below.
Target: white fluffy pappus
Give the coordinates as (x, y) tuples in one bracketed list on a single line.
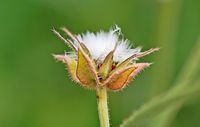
[(100, 44)]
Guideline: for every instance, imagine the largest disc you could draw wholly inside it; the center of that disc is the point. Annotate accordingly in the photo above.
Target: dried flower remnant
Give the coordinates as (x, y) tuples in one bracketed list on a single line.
[(102, 59)]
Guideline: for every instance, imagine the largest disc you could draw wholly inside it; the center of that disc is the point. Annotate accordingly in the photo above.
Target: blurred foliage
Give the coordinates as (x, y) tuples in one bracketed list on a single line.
[(163, 108), (35, 90)]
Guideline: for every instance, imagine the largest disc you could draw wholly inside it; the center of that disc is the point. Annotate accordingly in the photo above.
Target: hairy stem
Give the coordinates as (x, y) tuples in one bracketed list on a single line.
[(101, 95)]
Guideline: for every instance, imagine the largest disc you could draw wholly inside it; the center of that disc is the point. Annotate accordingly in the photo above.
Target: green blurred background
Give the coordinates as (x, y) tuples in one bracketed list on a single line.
[(35, 90)]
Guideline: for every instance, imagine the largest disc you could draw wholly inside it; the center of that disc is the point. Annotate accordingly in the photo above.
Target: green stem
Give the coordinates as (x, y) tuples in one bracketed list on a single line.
[(101, 94)]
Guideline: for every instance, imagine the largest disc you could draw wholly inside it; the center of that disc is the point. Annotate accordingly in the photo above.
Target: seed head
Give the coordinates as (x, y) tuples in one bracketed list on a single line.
[(102, 59)]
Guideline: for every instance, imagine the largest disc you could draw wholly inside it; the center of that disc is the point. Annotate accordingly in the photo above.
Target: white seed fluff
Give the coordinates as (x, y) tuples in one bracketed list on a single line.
[(100, 44)]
